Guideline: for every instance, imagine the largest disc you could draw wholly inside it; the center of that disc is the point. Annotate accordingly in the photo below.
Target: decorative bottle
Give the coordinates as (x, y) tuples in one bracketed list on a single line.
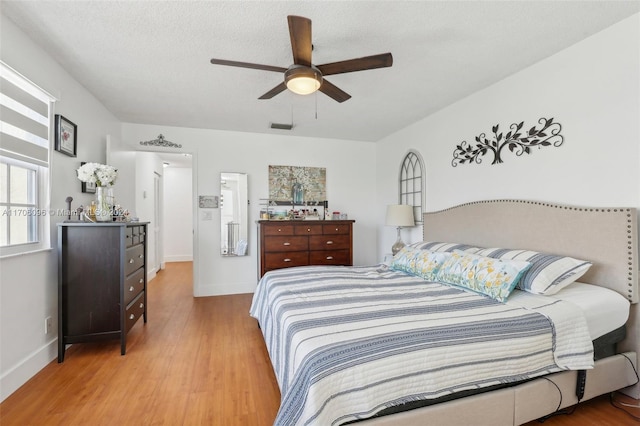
[(298, 196)]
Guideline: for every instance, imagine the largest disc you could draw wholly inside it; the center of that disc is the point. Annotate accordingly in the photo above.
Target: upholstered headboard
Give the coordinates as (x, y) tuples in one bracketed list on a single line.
[(608, 237)]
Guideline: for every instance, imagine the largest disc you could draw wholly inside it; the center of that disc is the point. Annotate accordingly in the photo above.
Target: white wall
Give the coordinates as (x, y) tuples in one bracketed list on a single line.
[(350, 188), (29, 283), (125, 187), (178, 214), (591, 88)]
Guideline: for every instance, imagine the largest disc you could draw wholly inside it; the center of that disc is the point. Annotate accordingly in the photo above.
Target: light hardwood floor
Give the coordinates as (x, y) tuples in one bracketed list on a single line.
[(198, 361)]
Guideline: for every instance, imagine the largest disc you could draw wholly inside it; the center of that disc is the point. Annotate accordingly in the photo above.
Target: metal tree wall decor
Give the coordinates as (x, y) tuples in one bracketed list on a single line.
[(516, 140)]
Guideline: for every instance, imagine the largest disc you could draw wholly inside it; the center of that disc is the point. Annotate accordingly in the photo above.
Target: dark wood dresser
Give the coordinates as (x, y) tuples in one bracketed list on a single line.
[(283, 244), (102, 281)]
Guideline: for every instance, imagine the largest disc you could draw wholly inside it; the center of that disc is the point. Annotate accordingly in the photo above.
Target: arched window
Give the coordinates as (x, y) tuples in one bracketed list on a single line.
[(412, 184)]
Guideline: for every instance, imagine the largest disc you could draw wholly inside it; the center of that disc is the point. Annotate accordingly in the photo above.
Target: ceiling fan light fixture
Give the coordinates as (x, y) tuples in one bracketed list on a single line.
[(303, 80)]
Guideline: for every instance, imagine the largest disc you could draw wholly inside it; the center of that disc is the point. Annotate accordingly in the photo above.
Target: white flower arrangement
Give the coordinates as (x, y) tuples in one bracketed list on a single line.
[(100, 174)]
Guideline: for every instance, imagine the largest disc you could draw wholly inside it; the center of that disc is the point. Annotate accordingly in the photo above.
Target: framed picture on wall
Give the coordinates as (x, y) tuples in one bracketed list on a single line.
[(88, 187), (66, 136)]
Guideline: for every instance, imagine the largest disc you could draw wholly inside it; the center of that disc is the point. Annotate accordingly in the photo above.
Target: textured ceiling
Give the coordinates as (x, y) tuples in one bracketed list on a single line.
[(148, 61)]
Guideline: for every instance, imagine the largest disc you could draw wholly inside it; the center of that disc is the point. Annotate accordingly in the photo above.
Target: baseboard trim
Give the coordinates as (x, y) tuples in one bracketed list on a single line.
[(179, 258), (20, 373), (224, 289)]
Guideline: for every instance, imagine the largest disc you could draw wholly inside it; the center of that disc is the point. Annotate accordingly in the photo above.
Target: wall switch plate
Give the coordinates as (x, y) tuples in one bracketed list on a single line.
[(47, 325)]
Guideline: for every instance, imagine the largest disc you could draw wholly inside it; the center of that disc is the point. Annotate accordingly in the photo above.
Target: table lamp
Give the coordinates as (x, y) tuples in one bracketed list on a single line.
[(400, 216)]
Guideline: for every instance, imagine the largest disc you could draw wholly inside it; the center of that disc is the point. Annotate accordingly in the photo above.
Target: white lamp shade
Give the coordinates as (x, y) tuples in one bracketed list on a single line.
[(400, 215), (302, 80), (303, 85)]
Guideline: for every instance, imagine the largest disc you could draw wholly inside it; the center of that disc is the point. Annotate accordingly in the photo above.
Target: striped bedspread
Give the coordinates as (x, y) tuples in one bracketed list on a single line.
[(347, 342)]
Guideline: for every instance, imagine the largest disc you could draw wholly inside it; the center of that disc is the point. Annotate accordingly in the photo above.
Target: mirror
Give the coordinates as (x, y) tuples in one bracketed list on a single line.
[(233, 214)]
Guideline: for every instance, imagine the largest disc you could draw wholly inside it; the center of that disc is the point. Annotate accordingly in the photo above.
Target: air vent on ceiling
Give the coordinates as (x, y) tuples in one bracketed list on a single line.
[(281, 126)]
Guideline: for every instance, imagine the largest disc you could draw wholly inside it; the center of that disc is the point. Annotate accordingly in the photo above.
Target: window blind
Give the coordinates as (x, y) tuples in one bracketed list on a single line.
[(25, 112)]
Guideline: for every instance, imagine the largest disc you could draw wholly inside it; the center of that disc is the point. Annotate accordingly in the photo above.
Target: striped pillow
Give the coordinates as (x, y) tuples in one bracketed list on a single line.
[(444, 247), (548, 274)]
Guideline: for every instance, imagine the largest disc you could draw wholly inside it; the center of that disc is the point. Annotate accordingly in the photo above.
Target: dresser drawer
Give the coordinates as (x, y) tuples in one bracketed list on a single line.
[(133, 259), (128, 233), (286, 243), (306, 229), (133, 285), (138, 234), (286, 260), (329, 242), (326, 257), (336, 229), (278, 229), (134, 311)]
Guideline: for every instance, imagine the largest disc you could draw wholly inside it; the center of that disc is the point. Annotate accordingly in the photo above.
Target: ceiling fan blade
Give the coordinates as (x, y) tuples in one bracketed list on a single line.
[(300, 34), (333, 91), (247, 65), (359, 64), (271, 93)]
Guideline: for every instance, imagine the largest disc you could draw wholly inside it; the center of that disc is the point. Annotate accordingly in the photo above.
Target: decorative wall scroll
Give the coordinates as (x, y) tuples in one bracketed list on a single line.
[(283, 178), (161, 141), (515, 140)]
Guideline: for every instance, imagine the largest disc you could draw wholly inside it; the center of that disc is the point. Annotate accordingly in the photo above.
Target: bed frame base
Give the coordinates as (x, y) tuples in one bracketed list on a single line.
[(521, 403)]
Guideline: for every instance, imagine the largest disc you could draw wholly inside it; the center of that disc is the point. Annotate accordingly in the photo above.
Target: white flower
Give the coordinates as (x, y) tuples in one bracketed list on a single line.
[(100, 174)]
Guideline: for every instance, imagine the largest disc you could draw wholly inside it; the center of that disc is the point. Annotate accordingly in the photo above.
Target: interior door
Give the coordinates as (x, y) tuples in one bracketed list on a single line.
[(157, 221)]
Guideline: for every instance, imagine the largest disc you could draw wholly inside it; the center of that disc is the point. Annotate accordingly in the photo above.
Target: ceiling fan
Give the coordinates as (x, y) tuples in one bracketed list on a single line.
[(303, 77)]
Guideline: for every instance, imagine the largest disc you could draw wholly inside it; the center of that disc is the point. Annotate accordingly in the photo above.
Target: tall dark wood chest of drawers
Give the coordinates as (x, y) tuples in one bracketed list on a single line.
[(283, 244), (102, 281)]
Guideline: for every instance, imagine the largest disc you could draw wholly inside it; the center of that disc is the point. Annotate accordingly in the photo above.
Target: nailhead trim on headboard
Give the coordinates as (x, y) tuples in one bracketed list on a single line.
[(629, 238)]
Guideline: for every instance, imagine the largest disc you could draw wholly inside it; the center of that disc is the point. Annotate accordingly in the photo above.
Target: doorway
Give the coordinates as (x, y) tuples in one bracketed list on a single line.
[(159, 190), (157, 224), (176, 208)]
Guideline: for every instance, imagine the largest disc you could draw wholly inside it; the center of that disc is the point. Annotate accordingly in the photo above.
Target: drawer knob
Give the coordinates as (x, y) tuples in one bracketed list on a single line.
[(337, 229), (286, 244), (287, 260), (308, 229), (131, 288), (329, 257), (329, 242), (141, 256), (279, 229), (141, 280), (141, 305), (132, 316), (130, 260)]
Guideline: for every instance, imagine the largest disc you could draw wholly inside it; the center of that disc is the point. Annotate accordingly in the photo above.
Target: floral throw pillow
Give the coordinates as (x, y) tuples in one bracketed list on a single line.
[(492, 277), (422, 263)]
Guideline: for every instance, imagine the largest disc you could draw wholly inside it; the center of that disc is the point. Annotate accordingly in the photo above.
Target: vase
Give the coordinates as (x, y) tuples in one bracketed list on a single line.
[(297, 193), (103, 204)]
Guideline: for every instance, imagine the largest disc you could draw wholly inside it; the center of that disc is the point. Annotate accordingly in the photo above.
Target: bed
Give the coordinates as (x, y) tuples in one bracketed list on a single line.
[(381, 346)]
